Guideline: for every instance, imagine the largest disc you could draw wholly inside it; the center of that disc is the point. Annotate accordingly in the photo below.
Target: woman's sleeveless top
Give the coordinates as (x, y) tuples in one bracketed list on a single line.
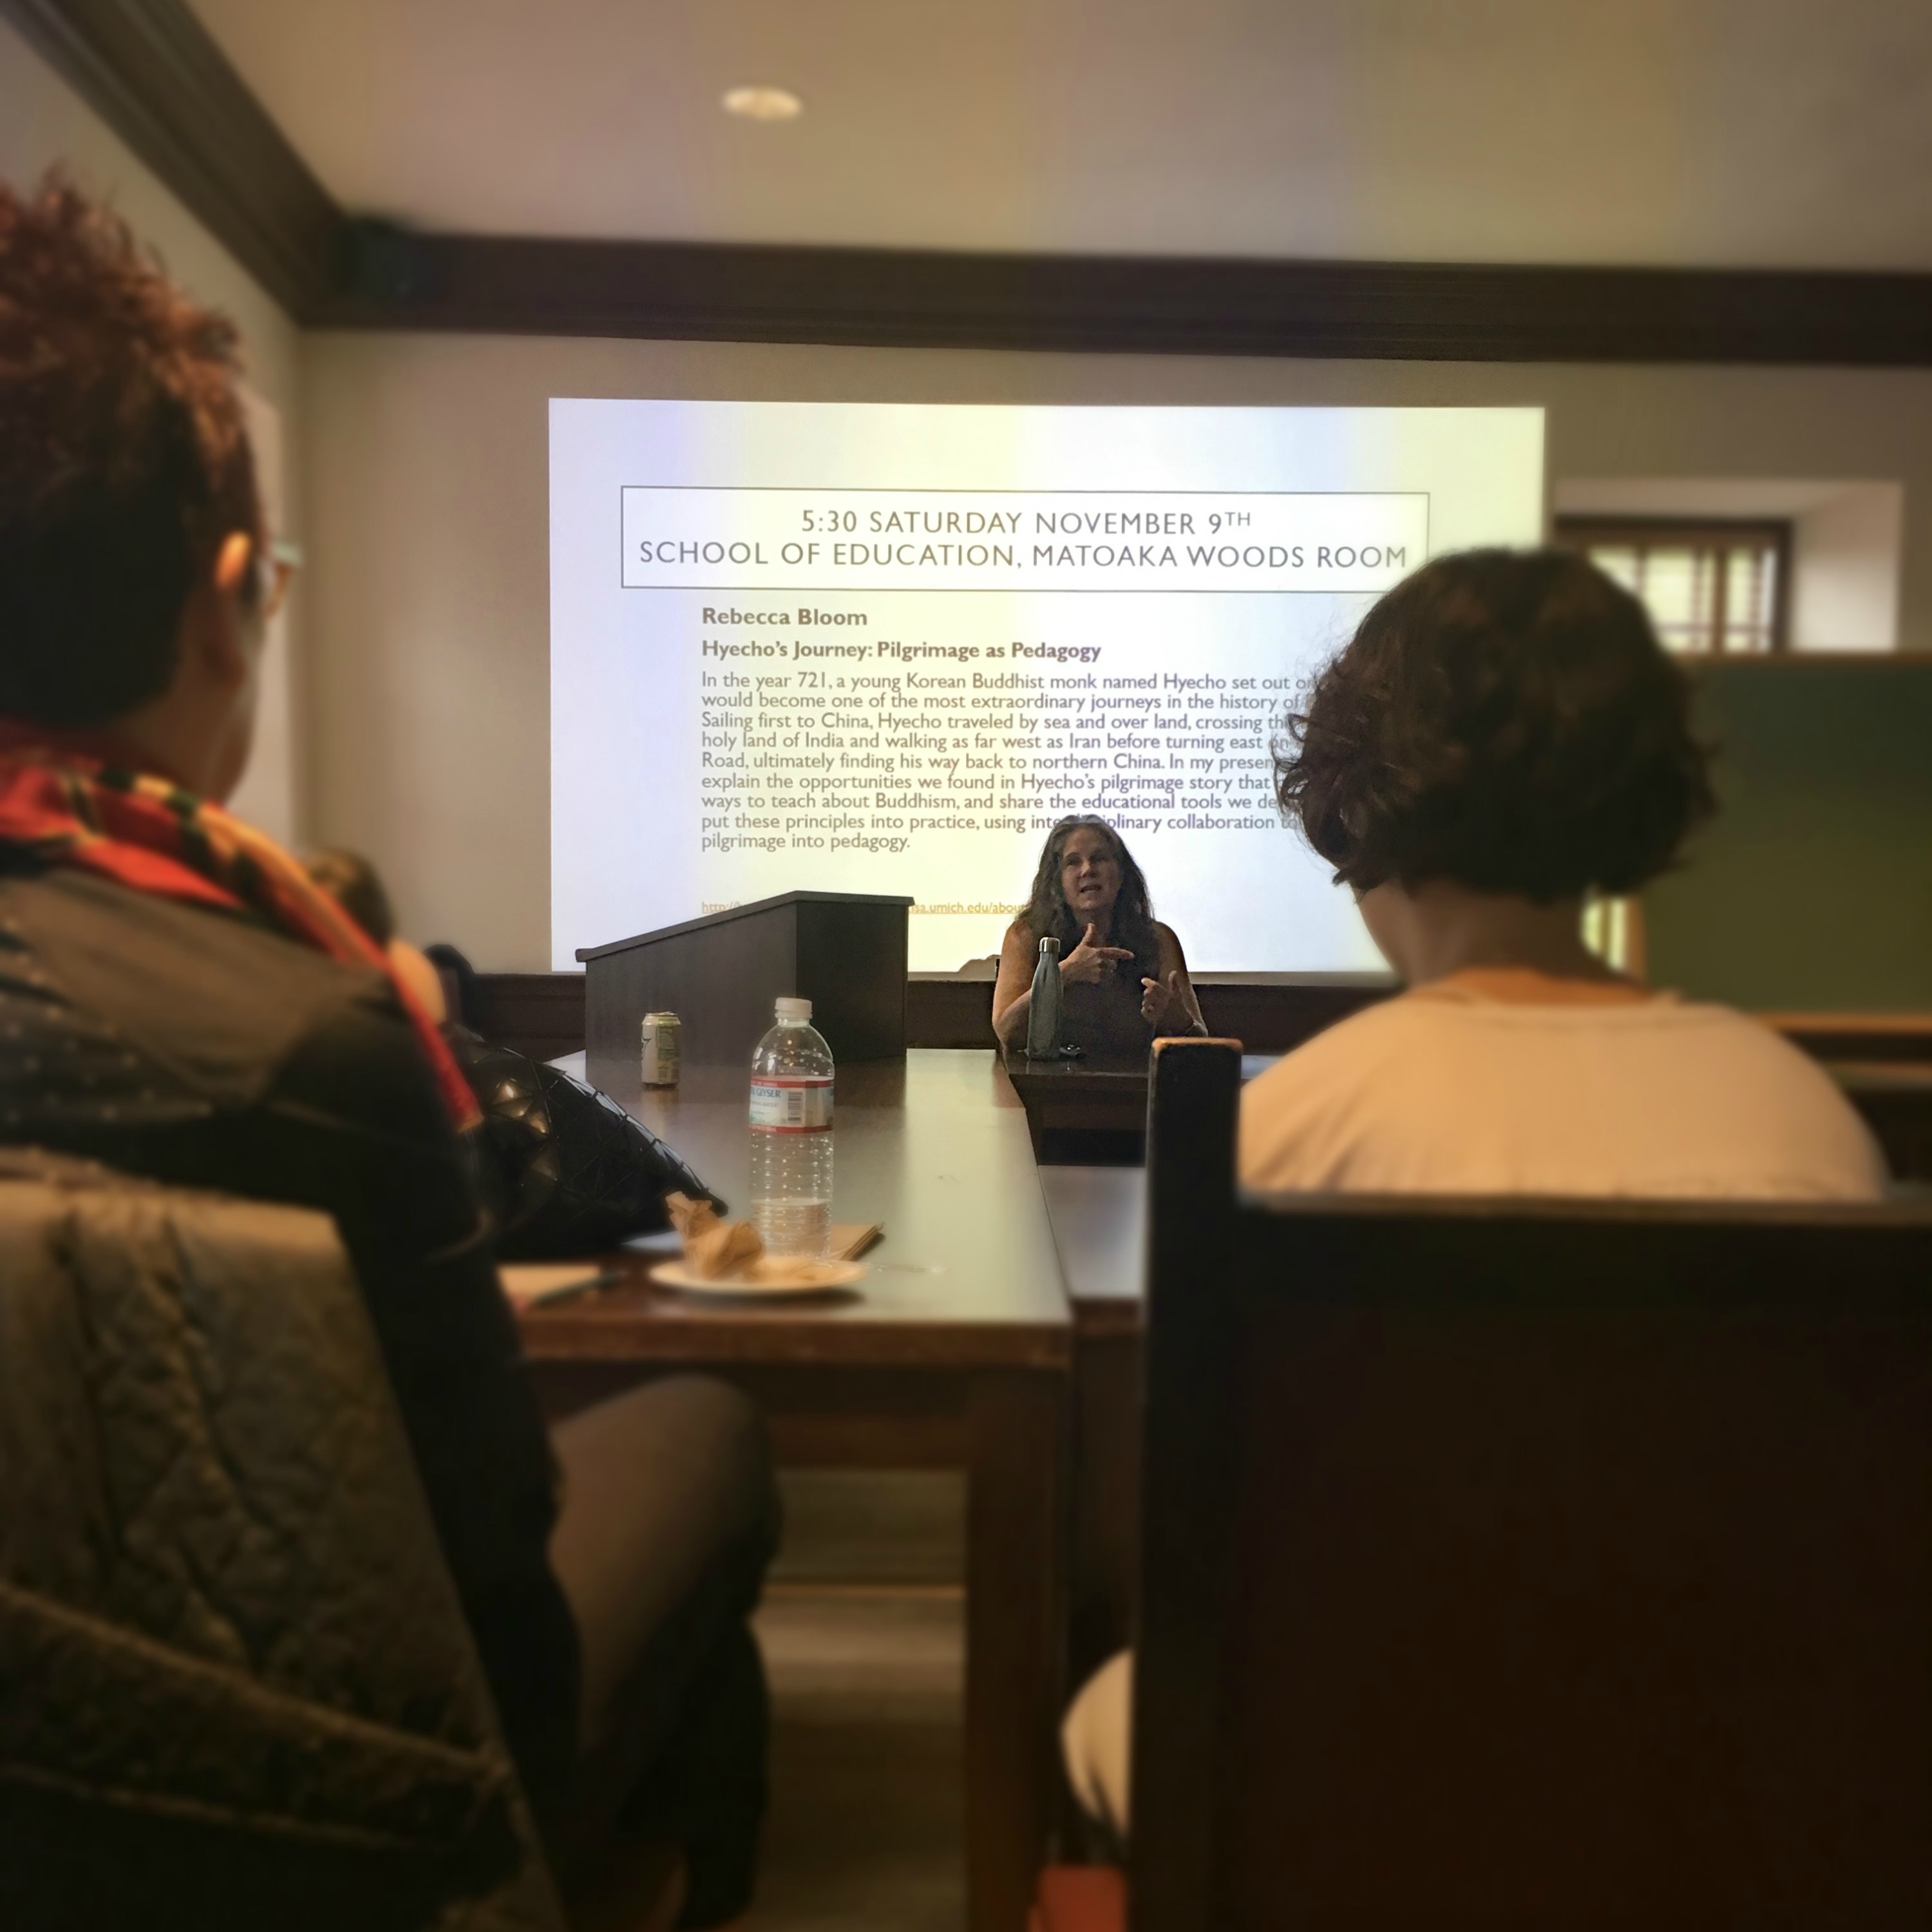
[(1106, 1016)]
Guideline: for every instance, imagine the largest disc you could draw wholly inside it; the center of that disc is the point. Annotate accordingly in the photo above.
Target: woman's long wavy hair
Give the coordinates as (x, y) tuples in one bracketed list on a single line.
[(1048, 916)]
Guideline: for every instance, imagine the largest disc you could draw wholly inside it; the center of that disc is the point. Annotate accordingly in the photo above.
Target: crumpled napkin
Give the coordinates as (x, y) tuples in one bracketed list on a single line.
[(713, 1247)]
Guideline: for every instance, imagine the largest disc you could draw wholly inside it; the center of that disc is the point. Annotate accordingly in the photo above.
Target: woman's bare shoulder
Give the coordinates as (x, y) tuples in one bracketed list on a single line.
[(1016, 944)]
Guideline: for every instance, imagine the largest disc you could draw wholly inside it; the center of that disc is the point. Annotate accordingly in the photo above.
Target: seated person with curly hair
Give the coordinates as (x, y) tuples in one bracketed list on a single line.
[(1503, 736), (183, 1003)]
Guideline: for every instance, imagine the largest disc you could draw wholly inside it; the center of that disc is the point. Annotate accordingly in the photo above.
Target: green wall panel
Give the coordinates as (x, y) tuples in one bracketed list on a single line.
[(1813, 887)]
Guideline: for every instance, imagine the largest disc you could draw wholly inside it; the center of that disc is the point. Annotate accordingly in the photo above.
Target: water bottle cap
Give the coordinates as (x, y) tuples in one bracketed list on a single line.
[(1051, 946), (797, 1011)]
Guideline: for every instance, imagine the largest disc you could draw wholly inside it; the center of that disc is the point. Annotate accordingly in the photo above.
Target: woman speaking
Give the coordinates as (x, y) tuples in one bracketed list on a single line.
[(1125, 978)]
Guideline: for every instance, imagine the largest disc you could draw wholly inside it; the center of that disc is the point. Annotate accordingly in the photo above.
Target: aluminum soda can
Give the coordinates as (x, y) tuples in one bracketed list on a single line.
[(661, 1049)]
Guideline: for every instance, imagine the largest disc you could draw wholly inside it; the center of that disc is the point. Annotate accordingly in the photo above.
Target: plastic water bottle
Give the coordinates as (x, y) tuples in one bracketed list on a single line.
[(1043, 1010), (791, 1135)]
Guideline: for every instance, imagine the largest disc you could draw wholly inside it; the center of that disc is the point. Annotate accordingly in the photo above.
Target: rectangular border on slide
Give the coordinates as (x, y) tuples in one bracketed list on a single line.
[(625, 490)]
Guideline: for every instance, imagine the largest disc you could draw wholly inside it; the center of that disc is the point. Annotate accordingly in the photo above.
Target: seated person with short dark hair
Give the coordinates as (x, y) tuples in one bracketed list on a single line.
[(177, 1000), (1503, 736)]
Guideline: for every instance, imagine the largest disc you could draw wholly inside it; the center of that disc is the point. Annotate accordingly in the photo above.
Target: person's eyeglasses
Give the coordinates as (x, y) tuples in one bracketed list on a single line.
[(275, 567)]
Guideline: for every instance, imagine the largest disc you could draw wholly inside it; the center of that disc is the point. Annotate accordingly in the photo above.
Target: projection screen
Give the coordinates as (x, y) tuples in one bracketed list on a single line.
[(883, 647)]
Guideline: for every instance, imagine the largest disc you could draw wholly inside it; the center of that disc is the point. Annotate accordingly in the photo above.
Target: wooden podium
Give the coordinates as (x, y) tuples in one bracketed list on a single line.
[(844, 952)]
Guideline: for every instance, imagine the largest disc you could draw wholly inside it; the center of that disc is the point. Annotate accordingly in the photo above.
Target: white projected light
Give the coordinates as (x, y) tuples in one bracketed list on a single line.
[(874, 647)]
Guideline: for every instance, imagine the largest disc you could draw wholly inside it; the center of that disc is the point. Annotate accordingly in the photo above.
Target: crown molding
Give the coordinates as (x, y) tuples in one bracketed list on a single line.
[(909, 298), (157, 77)]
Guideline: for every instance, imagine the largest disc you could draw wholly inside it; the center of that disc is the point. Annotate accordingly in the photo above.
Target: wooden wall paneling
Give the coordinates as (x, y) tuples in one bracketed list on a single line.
[(943, 1012), (540, 1014), (1269, 1018), (1893, 1099), (530, 1011), (1265, 1016), (1898, 1038)]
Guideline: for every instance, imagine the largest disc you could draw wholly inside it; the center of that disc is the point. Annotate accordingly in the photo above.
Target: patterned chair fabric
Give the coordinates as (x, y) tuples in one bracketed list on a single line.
[(236, 1688)]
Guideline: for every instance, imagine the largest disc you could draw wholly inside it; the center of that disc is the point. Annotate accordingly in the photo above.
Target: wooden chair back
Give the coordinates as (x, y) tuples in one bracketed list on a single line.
[(1527, 1563)]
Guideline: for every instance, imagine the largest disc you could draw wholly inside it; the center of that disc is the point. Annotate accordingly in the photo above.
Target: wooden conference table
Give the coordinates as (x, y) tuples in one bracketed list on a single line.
[(998, 1333), (955, 1354)]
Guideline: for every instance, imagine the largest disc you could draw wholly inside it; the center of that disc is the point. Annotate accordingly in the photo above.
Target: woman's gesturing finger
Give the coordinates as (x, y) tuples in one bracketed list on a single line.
[(1088, 961)]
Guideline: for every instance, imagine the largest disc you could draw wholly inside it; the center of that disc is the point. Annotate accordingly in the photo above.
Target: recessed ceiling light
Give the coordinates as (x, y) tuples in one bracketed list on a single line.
[(764, 103)]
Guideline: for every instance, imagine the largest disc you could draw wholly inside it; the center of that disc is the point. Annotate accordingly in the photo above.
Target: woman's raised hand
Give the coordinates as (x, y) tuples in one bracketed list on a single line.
[(1089, 961), (1161, 1001)]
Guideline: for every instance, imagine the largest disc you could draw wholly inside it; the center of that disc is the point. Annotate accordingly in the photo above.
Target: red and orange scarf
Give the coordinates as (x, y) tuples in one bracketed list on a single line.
[(70, 807)]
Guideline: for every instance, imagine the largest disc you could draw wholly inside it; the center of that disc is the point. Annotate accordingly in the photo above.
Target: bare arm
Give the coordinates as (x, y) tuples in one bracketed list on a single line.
[(1012, 991), (1168, 1003)]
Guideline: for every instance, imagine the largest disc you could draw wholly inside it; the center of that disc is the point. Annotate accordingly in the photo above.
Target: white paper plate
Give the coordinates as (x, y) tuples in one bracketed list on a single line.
[(814, 1278)]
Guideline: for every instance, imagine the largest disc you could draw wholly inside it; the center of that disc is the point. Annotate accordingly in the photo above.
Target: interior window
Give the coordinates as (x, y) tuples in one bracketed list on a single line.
[(1709, 587)]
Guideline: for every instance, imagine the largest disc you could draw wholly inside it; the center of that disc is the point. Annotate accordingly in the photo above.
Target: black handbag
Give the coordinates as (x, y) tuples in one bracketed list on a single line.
[(565, 1170)]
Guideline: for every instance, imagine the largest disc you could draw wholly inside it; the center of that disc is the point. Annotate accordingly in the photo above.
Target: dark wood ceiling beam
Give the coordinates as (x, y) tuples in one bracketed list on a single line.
[(910, 299), (157, 76), (154, 74)]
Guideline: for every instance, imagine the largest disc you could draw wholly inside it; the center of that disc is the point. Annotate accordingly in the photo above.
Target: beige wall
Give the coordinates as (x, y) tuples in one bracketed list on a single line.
[(426, 485), (1846, 583), (407, 711), (413, 722), (44, 123)]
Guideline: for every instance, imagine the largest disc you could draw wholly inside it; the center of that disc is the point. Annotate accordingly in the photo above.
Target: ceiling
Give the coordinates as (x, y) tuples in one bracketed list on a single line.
[(1785, 133)]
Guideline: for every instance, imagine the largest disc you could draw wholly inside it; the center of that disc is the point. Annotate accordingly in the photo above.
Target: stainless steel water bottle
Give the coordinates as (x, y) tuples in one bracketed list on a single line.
[(1043, 1014)]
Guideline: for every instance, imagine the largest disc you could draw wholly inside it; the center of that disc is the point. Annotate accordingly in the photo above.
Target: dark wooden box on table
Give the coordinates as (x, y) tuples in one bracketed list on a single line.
[(844, 952)]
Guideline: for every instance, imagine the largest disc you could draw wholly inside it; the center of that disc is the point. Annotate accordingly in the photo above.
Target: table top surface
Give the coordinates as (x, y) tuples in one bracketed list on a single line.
[(1098, 1216), (936, 1149)]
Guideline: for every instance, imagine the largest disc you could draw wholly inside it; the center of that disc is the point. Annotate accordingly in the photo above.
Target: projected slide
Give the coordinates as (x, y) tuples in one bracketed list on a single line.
[(872, 647)]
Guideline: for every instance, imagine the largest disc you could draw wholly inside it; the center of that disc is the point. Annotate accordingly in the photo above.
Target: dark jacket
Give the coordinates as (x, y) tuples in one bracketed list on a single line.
[(236, 1688), (207, 1049)]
